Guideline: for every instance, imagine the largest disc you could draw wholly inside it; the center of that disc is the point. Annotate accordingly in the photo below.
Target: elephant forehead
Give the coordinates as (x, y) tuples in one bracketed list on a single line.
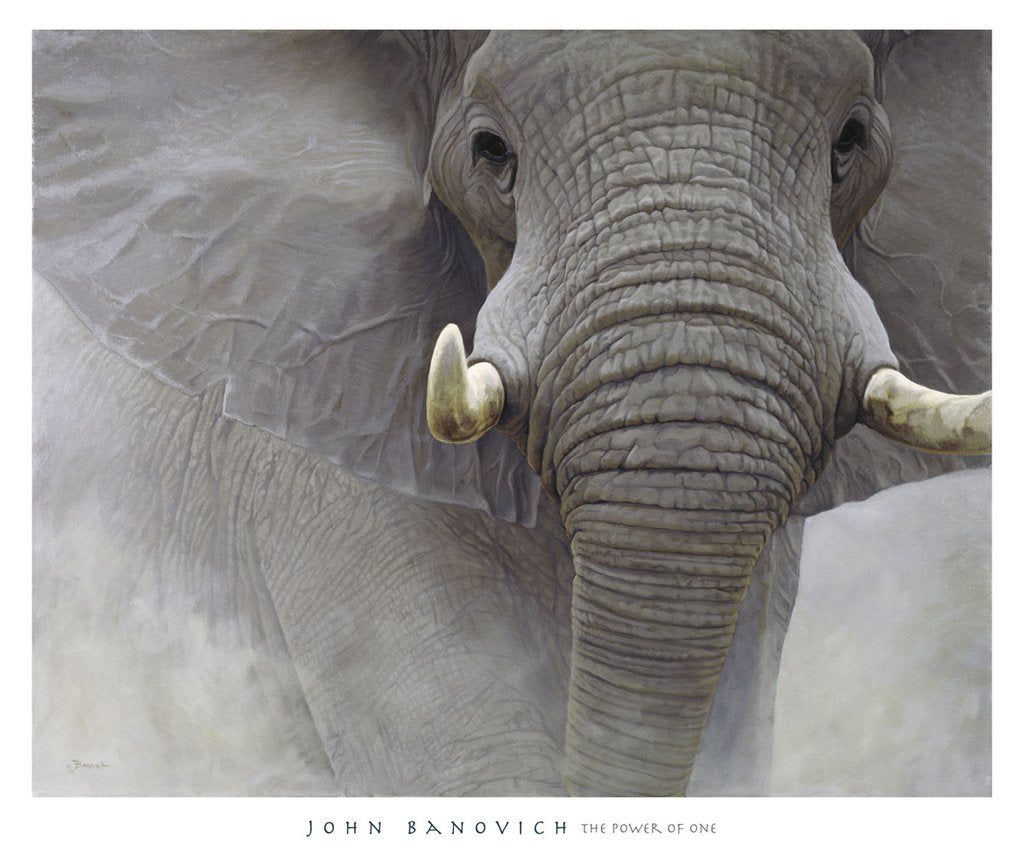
[(527, 69)]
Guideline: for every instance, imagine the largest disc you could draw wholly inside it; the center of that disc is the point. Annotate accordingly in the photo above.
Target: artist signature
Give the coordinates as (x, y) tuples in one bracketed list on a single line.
[(74, 764)]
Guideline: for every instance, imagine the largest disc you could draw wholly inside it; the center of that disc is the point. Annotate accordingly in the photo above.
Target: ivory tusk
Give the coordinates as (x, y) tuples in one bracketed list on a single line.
[(928, 420), (462, 402)]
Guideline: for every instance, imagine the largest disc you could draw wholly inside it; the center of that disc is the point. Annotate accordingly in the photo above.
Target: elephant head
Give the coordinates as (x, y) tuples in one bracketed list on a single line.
[(671, 336), (640, 234)]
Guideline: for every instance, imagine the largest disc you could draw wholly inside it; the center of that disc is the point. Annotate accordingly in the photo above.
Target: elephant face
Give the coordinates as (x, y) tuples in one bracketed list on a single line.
[(595, 173), (671, 335)]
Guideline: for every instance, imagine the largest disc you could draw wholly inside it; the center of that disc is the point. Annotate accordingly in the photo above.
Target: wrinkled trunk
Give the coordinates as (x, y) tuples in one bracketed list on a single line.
[(654, 610), (690, 404), (675, 454)]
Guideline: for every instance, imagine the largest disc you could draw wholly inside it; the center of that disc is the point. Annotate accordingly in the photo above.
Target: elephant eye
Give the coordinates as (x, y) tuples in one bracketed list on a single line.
[(491, 148), (853, 135)]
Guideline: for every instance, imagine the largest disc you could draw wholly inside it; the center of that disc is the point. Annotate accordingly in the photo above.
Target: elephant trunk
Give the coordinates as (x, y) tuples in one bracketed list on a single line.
[(654, 609), (674, 455)]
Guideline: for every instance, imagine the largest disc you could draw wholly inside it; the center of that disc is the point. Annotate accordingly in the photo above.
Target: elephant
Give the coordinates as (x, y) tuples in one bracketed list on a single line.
[(564, 562)]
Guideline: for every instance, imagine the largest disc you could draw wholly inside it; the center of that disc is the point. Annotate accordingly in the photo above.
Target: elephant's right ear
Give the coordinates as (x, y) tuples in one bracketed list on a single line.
[(249, 208)]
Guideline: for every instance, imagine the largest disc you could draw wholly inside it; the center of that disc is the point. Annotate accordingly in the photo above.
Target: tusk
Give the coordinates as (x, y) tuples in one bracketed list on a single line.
[(926, 419), (462, 402)]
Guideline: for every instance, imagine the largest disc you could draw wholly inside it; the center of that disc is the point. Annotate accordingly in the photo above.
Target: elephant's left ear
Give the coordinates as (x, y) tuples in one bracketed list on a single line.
[(248, 208), (923, 252)]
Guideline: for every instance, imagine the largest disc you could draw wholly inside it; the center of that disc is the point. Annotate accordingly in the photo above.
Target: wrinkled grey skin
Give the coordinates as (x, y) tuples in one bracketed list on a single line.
[(431, 642)]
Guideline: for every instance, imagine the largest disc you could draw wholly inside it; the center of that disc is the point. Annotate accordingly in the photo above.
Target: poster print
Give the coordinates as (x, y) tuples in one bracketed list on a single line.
[(258, 572)]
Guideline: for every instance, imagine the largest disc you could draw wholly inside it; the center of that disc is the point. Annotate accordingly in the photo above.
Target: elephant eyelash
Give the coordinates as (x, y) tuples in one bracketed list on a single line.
[(492, 149), (853, 135)]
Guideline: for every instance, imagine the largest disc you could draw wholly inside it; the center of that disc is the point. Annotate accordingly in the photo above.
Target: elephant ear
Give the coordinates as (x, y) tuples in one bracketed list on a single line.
[(923, 252), (249, 209)]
